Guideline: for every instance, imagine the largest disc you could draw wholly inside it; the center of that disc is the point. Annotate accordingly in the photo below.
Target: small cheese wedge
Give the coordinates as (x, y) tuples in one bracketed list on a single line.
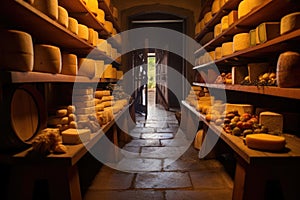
[(266, 142), (289, 23), (73, 25), (227, 49), (63, 16), (47, 58), (268, 31), (75, 136), (83, 32), (69, 64), (49, 7), (273, 121), (241, 41)]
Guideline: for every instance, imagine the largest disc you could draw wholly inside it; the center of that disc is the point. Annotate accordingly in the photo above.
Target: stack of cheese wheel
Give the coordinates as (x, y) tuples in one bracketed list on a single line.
[(65, 118), (110, 72), (87, 67), (48, 7), (103, 100), (69, 64), (47, 59), (18, 53), (83, 99)]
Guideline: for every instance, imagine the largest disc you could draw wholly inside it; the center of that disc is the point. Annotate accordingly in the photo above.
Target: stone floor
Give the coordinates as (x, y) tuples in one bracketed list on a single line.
[(151, 176)]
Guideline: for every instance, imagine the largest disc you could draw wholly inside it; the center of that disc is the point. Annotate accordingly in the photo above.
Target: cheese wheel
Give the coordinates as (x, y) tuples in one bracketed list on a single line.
[(18, 52), (100, 16), (215, 7), (73, 25), (108, 26), (207, 17), (71, 109), (119, 75), (99, 107), (232, 17), (107, 98), (211, 55), (197, 28), (268, 31), (75, 136), (73, 124), (47, 58), (69, 64), (264, 141), (99, 68), (92, 5), (102, 45), (227, 48), (93, 37), (241, 41), (100, 93), (241, 108), (109, 72), (72, 117), (48, 7), (217, 30), (290, 22), (63, 17), (273, 121), (86, 67), (83, 32), (218, 53), (252, 36), (224, 23), (243, 8), (288, 69)]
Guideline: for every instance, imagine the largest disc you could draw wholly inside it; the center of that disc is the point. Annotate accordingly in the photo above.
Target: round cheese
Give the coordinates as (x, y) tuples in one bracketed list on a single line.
[(17, 50), (218, 53), (215, 7), (207, 17), (92, 5), (69, 64), (108, 26), (91, 38), (99, 68), (47, 58), (197, 28), (290, 22), (227, 48), (49, 7), (243, 8), (264, 141), (83, 32), (73, 25), (224, 23), (288, 69), (102, 45), (110, 72), (241, 41), (100, 16), (63, 17), (217, 30), (86, 67), (232, 17), (119, 75)]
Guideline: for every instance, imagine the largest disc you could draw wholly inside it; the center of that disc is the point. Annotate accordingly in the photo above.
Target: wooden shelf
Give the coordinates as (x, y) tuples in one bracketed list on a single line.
[(79, 11), (250, 155), (273, 10), (109, 15), (277, 45), (39, 77), (229, 5), (293, 93)]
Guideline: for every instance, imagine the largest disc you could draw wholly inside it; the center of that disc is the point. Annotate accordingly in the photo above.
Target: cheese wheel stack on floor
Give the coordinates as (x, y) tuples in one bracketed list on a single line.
[(18, 53), (64, 118)]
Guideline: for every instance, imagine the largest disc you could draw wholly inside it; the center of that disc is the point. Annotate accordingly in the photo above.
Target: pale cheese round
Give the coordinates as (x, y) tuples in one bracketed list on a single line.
[(48, 7), (47, 58), (290, 22), (102, 45), (69, 64), (18, 52), (264, 141), (227, 49), (241, 41), (63, 16), (86, 67), (99, 68), (83, 32), (73, 25)]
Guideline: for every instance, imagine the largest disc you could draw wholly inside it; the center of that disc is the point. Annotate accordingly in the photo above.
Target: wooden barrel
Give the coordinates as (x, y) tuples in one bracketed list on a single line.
[(24, 115)]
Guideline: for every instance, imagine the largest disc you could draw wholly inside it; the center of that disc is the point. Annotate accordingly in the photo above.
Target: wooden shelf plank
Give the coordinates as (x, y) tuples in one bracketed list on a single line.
[(293, 93), (109, 15), (78, 10)]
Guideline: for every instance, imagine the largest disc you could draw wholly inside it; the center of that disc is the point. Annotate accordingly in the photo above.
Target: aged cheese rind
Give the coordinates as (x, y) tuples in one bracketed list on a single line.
[(83, 32), (63, 16), (241, 41), (289, 23), (69, 64), (49, 7), (227, 48), (273, 121), (264, 141), (73, 25)]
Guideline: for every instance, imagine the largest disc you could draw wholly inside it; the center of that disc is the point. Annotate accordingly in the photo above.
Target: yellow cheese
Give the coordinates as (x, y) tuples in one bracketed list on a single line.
[(217, 30), (73, 25), (211, 55), (109, 72), (222, 3), (100, 16), (207, 17), (252, 37), (108, 49), (80, 91), (202, 25), (114, 32), (268, 31), (63, 17), (241, 108), (102, 45), (99, 68), (119, 75), (224, 23), (241, 41), (71, 109), (115, 12), (18, 52), (86, 67), (108, 26), (227, 48), (197, 28), (107, 98), (198, 139), (100, 93), (215, 7), (83, 32), (218, 53), (232, 17), (73, 124), (92, 5), (69, 64), (290, 22), (273, 121), (49, 7), (93, 37), (75, 136), (266, 142), (47, 58), (288, 69), (99, 107), (243, 8)]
